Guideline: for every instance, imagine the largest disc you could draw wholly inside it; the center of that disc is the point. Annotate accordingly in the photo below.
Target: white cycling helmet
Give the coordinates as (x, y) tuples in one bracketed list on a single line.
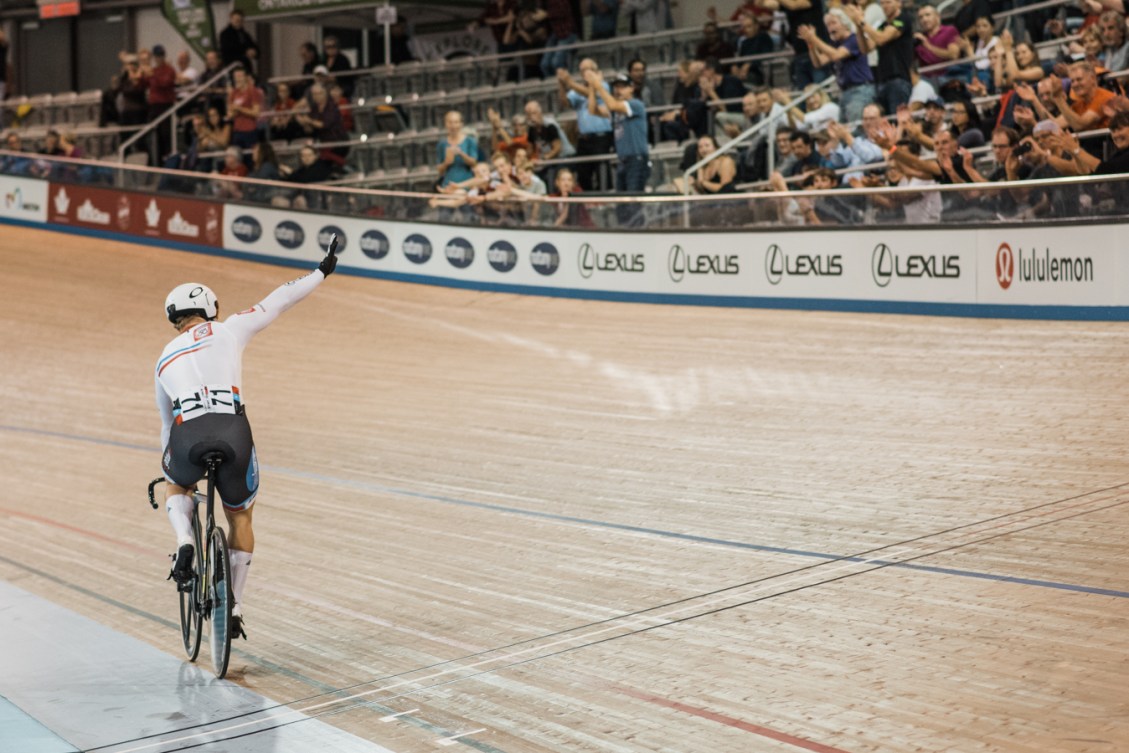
[(191, 298)]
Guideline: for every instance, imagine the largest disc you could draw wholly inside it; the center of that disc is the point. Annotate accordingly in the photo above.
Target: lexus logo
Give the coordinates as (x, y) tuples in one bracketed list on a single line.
[(882, 265), (585, 261), (774, 264), (1005, 266)]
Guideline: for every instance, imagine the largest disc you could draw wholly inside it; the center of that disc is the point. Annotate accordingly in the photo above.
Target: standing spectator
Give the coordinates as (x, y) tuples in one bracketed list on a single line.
[(753, 40), (324, 123), (186, 76), (236, 45), (133, 88), (1115, 55), (852, 72), (595, 137), (629, 121), (894, 42), (338, 65), (244, 105), (804, 13), (308, 54), (162, 96), (496, 16), (562, 31), (604, 16), (216, 94), (647, 16), (528, 32), (937, 43), (457, 154)]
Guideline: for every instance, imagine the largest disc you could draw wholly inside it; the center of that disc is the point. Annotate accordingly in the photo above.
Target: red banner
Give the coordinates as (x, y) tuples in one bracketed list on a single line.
[(148, 215)]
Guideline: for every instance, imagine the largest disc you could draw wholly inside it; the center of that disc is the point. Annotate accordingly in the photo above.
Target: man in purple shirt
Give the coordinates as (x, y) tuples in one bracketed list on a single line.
[(936, 43)]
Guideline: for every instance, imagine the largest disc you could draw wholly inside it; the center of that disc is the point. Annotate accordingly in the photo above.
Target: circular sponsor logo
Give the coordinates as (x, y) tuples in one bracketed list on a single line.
[(289, 234), (326, 234), (502, 256), (1005, 266), (459, 252), (882, 265), (417, 248), (374, 244), (586, 260), (676, 263), (123, 213), (774, 264), (545, 258), (246, 228)]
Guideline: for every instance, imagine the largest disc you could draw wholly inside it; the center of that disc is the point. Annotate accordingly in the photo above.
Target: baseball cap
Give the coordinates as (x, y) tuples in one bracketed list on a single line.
[(158, 50), (935, 102), (321, 70), (622, 79)]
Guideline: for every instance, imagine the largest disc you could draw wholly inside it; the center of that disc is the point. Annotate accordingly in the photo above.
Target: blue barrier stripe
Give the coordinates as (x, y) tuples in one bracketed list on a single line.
[(33, 737), (974, 310), (381, 489)]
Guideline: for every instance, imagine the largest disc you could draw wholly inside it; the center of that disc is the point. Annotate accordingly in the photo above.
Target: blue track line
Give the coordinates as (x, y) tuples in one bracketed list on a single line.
[(382, 489)]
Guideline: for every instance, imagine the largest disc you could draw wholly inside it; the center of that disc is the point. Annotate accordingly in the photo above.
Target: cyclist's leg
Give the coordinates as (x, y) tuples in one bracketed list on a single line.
[(241, 544), (181, 475), (238, 483)]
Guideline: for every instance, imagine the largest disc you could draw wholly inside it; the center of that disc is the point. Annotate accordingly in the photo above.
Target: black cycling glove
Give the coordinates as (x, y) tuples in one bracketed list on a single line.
[(329, 263)]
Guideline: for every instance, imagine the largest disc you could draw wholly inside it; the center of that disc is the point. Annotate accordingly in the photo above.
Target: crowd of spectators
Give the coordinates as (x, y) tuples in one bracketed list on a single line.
[(916, 100)]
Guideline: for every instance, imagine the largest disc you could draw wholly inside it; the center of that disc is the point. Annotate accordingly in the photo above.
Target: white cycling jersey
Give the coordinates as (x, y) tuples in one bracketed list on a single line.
[(201, 370)]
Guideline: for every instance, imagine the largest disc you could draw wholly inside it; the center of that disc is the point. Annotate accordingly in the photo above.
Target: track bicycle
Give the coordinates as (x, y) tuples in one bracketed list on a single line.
[(207, 596)]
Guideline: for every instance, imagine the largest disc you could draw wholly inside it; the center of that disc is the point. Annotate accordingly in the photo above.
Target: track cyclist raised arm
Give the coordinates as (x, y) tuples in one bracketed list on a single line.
[(198, 380)]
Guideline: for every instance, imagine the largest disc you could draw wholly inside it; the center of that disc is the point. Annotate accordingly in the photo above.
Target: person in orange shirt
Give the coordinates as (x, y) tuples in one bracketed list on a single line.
[(1085, 111)]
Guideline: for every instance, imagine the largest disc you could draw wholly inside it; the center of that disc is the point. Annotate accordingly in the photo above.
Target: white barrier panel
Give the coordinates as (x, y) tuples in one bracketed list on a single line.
[(23, 199), (1049, 266)]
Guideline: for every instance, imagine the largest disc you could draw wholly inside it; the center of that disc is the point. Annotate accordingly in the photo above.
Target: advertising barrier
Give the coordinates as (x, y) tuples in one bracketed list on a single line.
[(1049, 271)]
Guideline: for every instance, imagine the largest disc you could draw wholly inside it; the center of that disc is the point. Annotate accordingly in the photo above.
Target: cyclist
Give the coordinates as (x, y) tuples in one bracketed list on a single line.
[(198, 381)]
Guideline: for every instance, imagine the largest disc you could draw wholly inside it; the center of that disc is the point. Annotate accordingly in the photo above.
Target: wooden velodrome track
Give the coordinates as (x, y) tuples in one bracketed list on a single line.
[(559, 525)]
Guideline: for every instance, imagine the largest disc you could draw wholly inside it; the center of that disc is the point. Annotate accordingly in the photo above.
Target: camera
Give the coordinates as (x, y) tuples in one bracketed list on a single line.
[(1022, 149)]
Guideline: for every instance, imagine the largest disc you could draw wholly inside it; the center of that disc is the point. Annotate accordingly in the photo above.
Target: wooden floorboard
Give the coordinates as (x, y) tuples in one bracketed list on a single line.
[(586, 526)]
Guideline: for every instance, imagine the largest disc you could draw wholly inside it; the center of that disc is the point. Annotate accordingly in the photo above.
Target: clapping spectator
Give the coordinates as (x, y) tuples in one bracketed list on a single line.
[(213, 133), (283, 126), (842, 54), (980, 45), (162, 96), (1020, 62), (133, 89), (801, 13), (508, 141), (322, 121), (595, 137), (244, 105), (894, 41), (819, 110), (629, 121), (457, 153)]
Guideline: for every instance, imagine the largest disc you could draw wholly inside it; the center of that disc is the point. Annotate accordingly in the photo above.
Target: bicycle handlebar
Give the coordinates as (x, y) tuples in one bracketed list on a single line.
[(153, 499)]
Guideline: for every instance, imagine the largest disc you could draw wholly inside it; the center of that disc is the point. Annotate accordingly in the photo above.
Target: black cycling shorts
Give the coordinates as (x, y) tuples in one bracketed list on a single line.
[(228, 433)]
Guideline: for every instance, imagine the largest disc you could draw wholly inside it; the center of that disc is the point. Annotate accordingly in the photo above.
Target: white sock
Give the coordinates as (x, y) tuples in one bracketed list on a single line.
[(179, 507), (240, 564)]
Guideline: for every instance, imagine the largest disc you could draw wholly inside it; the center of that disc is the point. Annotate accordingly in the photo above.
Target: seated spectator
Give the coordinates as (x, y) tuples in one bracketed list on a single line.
[(1112, 197), (717, 176), (937, 43), (1004, 140), (922, 131), (819, 111), (311, 169), (840, 150), (508, 141), (713, 44), (213, 134), (949, 166), (1115, 46), (862, 140), (528, 185), (733, 124), (785, 160), (1020, 62), (337, 94), (457, 154), (922, 91), (264, 166), (965, 124), (232, 166), (283, 126), (753, 40), (546, 139), (968, 14), (569, 214), (1035, 150), (980, 46), (917, 208), (338, 65), (842, 54), (720, 90), (51, 144), (15, 164), (825, 210), (690, 115), (1086, 109), (308, 54), (807, 159), (322, 121)]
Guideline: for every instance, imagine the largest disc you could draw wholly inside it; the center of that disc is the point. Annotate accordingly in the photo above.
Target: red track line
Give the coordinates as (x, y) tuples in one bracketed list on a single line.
[(81, 531), (713, 716)]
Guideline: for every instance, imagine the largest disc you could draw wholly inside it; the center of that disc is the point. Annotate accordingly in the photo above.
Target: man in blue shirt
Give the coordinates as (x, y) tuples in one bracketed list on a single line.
[(595, 131), (629, 122), (852, 71)]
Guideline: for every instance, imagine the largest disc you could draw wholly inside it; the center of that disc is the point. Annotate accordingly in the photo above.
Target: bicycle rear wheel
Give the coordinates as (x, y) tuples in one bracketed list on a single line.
[(220, 600), (192, 602)]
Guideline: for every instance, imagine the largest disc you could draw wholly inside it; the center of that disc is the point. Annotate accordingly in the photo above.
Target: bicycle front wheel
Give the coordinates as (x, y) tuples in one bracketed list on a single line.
[(192, 602), (220, 600)]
